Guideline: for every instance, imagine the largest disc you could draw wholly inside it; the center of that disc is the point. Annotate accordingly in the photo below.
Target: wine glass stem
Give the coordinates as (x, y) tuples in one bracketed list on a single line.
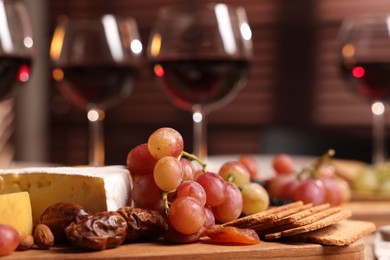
[(200, 132), (378, 117), (96, 140)]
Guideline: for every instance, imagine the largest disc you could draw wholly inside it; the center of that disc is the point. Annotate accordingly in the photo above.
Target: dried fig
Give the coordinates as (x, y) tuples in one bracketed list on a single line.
[(99, 231), (58, 216), (143, 224)]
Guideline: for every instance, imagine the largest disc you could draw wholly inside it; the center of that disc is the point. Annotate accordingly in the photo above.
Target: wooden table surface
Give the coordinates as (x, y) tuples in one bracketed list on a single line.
[(376, 211), (201, 250)]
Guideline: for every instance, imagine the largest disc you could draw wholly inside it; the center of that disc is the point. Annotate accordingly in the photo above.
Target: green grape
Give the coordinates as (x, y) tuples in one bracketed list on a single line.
[(255, 198), (366, 180), (383, 171), (385, 187)]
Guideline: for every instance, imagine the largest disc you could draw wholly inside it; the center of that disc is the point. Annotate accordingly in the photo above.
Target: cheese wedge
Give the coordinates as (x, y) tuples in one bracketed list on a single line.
[(95, 188), (15, 210)]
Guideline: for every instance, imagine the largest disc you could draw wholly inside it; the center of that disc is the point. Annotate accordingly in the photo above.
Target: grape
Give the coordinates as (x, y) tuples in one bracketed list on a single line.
[(187, 215), (236, 173), (274, 185), (255, 199), (146, 194), (326, 170), (171, 235), (140, 161), (283, 164), (231, 208), (288, 189), (165, 142), (382, 171), (384, 187), (310, 191), (168, 173), (197, 173), (214, 186), (250, 164), (337, 191), (366, 181), (192, 189), (9, 239), (188, 169), (210, 219)]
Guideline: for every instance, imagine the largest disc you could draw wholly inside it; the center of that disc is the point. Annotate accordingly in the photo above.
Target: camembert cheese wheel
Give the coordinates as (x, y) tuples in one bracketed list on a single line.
[(95, 188)]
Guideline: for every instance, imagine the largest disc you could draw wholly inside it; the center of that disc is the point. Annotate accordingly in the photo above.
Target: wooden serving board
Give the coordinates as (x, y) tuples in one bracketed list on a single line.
[(377, 212), (201, 250)]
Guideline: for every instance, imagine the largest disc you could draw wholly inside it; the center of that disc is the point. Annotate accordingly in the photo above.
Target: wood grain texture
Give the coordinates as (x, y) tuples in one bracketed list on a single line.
[(200, 251)]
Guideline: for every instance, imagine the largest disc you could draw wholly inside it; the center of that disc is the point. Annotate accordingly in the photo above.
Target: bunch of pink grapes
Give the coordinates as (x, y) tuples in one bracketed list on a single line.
[(166, 179)]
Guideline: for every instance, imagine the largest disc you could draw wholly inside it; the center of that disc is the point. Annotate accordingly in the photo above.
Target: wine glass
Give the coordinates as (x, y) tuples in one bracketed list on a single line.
[(365, 63), (95, 63), (201, 54), (16, 46), (16, 51)]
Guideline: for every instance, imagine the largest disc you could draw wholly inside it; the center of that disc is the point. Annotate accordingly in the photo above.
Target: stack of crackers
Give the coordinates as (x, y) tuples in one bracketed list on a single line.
[(322, 224)]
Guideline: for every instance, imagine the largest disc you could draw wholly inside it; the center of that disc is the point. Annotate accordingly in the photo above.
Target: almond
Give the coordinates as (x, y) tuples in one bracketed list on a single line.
[(26, 242), (43, 236)]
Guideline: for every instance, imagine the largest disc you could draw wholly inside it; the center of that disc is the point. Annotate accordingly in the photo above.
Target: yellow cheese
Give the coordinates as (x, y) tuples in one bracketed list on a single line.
[(95, 188), (15, 210)]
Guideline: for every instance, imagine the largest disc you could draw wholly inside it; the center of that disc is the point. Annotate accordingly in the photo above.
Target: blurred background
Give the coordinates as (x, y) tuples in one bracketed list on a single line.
[(295, 100)]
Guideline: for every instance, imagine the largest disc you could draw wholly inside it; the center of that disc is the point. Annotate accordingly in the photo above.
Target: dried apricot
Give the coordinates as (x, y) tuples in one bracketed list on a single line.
[(220, 234)]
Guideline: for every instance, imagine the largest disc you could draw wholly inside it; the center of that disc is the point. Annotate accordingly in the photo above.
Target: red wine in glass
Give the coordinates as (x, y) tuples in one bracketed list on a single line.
[(95, 61), (101, 85), (201, 53), (13, 71), (364, 52), (369, 79), (206, 82)]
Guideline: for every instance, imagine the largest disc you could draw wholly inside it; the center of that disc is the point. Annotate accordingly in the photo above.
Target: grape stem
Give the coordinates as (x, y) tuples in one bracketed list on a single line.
[(311, 171), (193, 157), (164, 196), (325, 157)]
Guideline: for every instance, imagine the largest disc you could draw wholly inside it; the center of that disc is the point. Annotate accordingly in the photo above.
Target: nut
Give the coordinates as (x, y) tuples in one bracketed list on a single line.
[(26, 242), (43, 236)]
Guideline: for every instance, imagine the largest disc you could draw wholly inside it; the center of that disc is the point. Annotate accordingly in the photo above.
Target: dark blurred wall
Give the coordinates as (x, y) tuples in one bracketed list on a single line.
[(294, 84)]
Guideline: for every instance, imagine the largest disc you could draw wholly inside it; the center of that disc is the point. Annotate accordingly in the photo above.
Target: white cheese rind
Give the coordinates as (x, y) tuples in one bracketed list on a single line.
[(96, 188)]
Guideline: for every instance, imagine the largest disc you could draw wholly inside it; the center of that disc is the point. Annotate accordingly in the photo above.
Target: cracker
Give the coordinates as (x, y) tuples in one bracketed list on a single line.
[(343, 233), (315, 217), (268, 222), (324, 222), (287, 222), (301, 214), (255, 219)]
